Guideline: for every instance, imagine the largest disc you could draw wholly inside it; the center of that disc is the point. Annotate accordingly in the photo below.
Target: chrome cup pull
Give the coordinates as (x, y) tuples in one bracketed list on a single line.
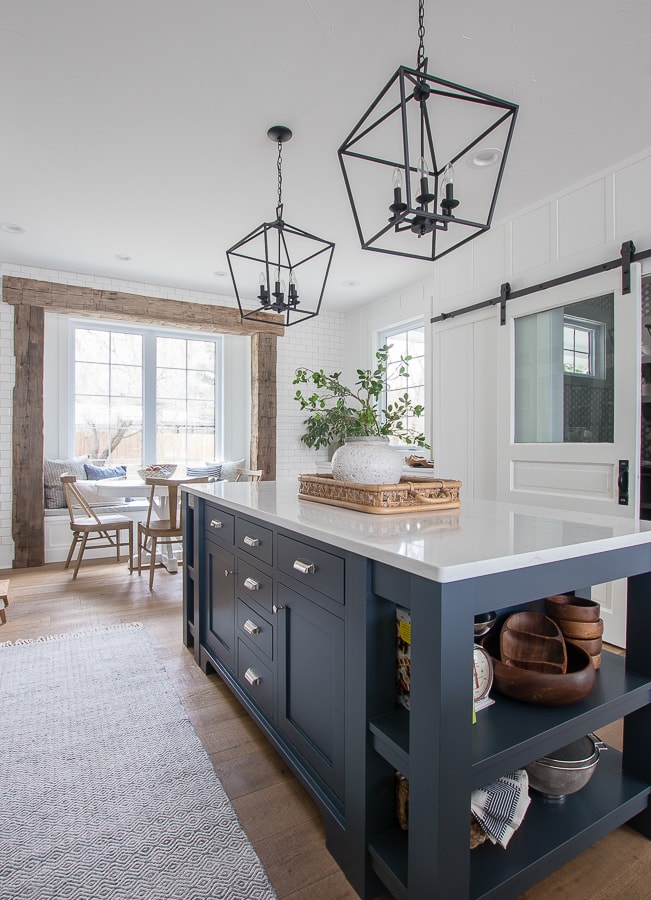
[(305, 568), (252, 678), (251, 584), (216, 523), (251, 541), (250, 627)]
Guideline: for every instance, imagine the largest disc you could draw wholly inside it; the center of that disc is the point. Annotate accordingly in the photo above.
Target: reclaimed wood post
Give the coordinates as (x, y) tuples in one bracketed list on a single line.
[(27, 519)]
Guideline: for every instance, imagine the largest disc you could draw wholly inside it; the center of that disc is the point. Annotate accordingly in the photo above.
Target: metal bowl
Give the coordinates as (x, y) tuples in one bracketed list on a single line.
[(567, 770), (483, 623)]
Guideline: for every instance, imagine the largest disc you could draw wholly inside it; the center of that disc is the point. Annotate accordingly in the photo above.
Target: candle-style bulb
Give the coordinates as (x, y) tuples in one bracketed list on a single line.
[(448, 174), (449, 202), (425, 196), (263, 295), (397, 206), (292, 295)]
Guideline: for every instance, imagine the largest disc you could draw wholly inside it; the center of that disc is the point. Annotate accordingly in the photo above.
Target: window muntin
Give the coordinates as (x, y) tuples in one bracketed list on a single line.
[(583, 347), (406, 340), (145, 395)]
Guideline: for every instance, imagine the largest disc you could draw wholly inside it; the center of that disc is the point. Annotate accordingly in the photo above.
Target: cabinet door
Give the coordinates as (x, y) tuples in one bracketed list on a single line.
[(311, 684), (219, 587)]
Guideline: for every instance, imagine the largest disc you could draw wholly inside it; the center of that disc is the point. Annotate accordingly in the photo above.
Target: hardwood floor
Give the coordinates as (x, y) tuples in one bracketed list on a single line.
[(279, 817)]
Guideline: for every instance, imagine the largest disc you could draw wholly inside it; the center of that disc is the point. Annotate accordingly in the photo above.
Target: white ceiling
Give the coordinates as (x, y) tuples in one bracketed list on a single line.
[(138, 127)]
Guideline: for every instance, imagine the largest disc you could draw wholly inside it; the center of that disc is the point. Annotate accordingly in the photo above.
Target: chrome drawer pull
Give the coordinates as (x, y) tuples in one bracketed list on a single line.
[(305, 568), (216, 523), (251, 584), (252, 678), (250, 627), (251, 541)]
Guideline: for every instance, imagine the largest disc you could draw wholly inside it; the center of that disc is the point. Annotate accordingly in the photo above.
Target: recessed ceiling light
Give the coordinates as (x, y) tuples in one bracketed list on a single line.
[(123, 257), (487, 156), (350, 283), (11, 228), (220, 273)]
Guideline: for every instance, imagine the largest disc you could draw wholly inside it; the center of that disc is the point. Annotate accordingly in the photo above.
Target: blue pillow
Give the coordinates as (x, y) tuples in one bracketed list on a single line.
[(96, 473)]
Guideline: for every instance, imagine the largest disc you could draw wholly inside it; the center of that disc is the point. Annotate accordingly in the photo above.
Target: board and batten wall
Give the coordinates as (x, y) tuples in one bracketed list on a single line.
[(322, 338), (580, 227)]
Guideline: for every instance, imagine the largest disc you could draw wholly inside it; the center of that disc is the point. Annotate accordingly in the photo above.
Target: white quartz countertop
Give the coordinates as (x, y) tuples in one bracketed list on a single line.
[(481, 538)]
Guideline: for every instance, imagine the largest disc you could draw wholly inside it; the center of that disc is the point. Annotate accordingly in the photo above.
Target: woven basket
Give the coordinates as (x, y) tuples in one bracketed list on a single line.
[(477, 834), (410, 495)]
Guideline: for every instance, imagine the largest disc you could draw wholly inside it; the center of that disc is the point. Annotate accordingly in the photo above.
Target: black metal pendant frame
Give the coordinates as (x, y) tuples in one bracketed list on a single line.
[(280, 248), (277, 254), (424, 219)]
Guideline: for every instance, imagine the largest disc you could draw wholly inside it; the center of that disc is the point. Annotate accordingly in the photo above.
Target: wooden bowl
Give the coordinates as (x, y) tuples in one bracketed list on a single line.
[(533, 641), (591, 646), (543, 688), (583, 631), (576, 609)]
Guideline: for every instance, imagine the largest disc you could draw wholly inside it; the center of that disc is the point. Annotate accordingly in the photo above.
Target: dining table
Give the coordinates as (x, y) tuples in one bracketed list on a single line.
[(123, 486)]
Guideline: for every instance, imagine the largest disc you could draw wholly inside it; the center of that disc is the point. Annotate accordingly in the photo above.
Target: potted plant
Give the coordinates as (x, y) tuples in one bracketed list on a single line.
[(354, 417)]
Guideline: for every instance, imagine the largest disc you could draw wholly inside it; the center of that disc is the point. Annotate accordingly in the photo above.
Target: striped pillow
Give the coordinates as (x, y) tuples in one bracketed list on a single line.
[(213, 471), (53, 469)]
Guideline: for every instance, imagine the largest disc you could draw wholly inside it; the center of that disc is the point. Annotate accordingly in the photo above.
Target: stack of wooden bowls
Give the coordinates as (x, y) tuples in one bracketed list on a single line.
[(533, 662), (578, 619)]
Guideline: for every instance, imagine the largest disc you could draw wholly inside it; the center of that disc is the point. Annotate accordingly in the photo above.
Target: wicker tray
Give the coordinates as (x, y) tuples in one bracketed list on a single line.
[(411, 494)]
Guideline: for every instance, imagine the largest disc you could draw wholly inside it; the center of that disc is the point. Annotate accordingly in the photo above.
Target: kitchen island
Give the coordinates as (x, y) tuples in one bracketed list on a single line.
[(294, 604)]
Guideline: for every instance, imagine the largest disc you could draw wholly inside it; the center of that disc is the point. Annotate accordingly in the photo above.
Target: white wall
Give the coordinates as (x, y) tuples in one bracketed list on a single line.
[(321, 339), (316, 343), (579, 228)]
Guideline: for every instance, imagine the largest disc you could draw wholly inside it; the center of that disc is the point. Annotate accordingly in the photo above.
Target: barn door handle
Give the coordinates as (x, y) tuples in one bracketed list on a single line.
[(622, 482)]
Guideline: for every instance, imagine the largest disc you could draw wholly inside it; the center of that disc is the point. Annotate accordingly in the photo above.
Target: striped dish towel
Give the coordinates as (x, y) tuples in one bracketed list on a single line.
[(500, 806)]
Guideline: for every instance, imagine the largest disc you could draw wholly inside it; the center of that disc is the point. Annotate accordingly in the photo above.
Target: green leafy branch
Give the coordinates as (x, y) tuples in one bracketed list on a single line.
[(338, 412)]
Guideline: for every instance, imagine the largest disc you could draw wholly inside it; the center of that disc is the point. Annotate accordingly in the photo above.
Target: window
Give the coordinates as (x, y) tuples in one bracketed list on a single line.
[(583, 347), (406, 340), (145, 395)]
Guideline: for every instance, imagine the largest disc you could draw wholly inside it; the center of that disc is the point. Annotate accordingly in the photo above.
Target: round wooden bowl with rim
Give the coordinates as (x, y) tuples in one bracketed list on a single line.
[(543, 688), (583, 631), (574, 609), (592, 646)]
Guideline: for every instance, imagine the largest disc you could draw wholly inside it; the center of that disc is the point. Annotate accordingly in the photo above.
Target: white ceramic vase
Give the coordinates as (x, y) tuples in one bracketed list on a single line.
[(367, 460)]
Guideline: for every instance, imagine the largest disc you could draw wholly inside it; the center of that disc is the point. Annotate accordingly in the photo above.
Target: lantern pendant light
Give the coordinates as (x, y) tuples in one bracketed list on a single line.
[(424, 164), (288, 266)]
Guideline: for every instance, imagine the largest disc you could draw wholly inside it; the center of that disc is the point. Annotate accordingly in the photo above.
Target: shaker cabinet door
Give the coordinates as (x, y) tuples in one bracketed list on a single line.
[(219, 585), (311, 684)]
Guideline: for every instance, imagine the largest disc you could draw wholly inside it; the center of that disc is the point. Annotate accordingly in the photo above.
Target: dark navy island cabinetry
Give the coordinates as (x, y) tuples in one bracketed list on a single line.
[(294, 603)]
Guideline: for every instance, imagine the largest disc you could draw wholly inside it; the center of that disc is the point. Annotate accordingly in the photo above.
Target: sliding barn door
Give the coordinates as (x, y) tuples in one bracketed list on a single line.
[(569, 418)]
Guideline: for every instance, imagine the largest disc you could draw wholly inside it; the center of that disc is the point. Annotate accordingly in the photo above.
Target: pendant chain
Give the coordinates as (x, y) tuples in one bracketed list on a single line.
[(421, 33), (279, 165)]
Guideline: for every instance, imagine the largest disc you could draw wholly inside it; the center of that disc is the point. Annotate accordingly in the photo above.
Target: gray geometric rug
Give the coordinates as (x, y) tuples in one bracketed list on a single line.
[(105, 789)]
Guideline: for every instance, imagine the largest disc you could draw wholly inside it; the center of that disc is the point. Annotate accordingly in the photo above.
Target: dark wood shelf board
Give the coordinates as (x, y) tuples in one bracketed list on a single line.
[(553, 832)]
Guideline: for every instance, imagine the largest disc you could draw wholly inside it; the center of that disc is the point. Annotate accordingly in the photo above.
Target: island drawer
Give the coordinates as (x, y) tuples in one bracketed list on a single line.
[(255, 677), (255, 539), (255, 629), (219, 524), (316, 568), (252, 584)]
